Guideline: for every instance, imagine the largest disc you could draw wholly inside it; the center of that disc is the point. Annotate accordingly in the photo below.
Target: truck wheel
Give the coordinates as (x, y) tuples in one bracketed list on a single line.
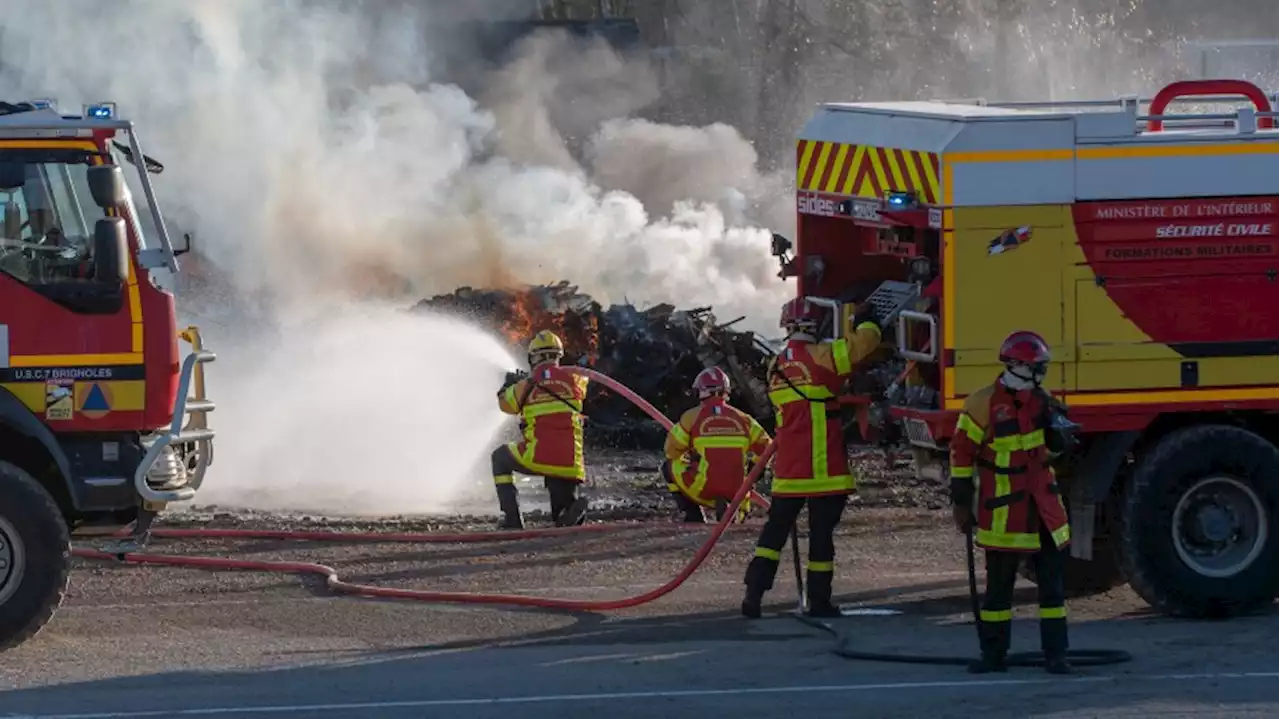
[(1200, 523), (35, 556)]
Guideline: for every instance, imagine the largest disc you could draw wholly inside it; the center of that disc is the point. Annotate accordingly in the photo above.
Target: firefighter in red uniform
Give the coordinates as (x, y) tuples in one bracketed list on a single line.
[(1005, 438), (709, 448), (810, 465), (549, 401)]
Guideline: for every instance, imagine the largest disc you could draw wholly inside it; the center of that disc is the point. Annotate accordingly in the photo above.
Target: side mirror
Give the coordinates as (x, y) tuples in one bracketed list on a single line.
[(110, 250), (780, 245), (106, 184)]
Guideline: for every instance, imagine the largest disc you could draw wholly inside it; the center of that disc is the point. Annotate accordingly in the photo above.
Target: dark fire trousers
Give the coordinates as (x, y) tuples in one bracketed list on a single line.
[(563, 491), (996, 614), (824, 516)]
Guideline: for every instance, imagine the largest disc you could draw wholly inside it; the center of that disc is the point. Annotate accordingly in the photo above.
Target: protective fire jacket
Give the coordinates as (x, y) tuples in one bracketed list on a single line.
[(999, 451), (722, 439), (804, 379), (549, 402)]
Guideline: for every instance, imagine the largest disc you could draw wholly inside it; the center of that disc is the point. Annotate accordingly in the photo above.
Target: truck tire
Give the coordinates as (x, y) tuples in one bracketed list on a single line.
[(1199, 529), (35, 556)]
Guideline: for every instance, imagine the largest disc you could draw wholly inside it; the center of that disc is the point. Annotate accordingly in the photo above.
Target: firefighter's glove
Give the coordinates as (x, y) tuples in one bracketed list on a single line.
[(963, 517), (511, 378), (1060, 435), (866, 312), (962, 491)]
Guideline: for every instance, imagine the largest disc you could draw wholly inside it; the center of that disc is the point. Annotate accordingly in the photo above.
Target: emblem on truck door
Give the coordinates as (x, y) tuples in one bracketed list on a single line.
[(1009, 240)]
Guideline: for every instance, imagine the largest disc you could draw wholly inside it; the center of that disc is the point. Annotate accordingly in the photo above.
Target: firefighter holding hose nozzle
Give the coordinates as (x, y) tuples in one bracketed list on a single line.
[(549, 401), (811, 465), (709, 448), (1006, 436)]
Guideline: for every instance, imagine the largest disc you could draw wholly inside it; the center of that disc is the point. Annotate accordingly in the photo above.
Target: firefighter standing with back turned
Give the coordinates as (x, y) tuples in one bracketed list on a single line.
[(811, 465), (1004, 440), (708, 449), (549, 401)]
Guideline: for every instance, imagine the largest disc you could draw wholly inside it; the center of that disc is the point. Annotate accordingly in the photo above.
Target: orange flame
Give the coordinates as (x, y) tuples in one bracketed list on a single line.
[(526, 316)]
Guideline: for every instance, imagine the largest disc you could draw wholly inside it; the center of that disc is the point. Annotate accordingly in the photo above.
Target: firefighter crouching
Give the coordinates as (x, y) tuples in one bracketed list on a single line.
[(709, 448), (810, 464), (549, 401), (1004, 441)]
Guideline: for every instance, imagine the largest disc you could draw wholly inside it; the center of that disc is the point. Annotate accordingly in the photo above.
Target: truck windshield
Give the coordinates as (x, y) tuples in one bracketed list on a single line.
[(48, 216)]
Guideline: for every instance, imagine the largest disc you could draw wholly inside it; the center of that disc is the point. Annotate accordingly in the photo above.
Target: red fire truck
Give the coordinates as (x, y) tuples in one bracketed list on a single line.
[(99, 428), (1141, 243)]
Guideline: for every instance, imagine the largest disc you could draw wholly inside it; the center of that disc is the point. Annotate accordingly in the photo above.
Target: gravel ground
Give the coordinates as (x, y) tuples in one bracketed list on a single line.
[(623, 486)]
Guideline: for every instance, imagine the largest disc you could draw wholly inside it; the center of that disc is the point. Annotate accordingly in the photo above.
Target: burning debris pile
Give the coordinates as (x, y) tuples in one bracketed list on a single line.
[(656, 351)]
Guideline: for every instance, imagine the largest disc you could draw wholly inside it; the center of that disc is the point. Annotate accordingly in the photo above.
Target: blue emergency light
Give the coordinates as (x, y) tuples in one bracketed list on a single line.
[(900, 200), (101, 111)]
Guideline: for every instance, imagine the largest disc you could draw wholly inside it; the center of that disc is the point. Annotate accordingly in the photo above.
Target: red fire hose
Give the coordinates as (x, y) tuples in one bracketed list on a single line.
[(339, 586)]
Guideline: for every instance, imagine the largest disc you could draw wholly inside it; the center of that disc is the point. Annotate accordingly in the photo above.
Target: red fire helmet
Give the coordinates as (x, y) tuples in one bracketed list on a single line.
[(1025, 347), (711, 380), (798, 313)]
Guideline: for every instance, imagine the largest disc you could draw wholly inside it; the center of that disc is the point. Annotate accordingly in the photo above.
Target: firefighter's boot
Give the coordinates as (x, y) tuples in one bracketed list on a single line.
[(509, 504), (692, 511), (994, 638), (759, 579), (1053, 640), (820, 595), (574, 514)]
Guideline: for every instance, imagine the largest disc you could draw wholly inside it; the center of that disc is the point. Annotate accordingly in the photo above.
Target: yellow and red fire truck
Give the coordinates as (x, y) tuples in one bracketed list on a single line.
[(1140, 243), (99, 428)]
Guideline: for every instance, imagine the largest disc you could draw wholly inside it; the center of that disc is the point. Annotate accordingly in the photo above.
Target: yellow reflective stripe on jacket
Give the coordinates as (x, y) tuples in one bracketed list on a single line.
[(680, 433), (840, 356), (814, 486), (1000, 515), (555, 406), (818, 446), (1061, 535), (1008, 540), (732, 442), (787, 395), (1018, 442), (972, 429), (1021, 540)]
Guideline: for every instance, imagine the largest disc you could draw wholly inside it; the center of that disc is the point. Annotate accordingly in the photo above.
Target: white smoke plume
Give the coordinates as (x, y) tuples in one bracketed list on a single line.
[(314, 159), (306, 143)]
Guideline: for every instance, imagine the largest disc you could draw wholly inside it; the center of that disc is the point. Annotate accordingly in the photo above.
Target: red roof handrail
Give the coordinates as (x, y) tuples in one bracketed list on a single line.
[(1194, 88)]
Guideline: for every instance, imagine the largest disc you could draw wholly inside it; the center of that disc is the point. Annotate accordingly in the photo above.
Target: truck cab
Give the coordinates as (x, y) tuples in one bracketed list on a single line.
[(99, 426), (1139, 241)]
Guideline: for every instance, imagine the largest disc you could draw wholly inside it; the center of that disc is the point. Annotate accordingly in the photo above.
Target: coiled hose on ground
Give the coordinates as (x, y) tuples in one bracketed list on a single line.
[(1078, 657)]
